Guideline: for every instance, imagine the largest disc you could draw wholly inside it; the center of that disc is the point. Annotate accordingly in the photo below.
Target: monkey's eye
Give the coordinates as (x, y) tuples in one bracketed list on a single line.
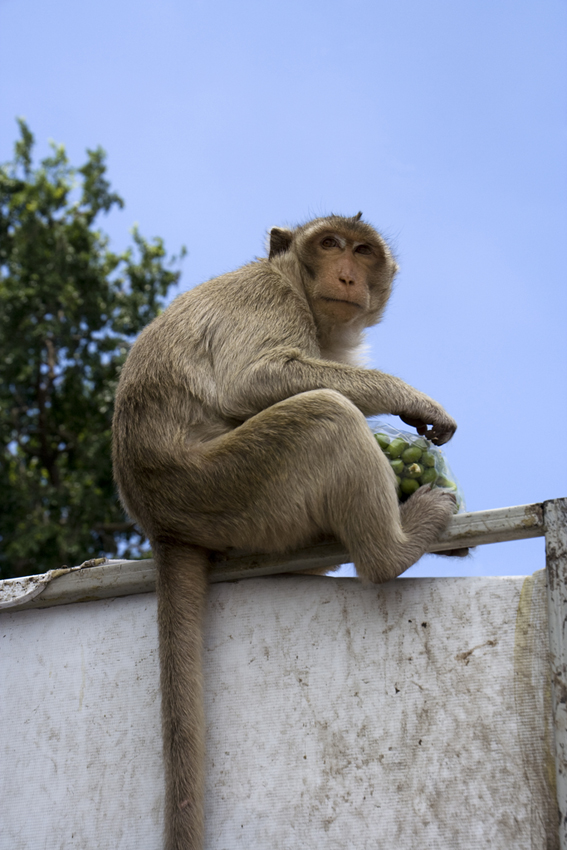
[(329, 242), (363, 249)]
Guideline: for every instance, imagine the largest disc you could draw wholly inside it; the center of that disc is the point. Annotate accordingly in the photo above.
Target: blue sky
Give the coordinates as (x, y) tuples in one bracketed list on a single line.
[(443, 121)]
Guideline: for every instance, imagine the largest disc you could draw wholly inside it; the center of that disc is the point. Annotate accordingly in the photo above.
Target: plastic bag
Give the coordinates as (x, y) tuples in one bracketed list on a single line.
[(415, 461)]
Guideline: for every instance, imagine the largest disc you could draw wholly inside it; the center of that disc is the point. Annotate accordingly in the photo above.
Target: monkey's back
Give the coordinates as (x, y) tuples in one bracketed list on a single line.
[(168, 400)]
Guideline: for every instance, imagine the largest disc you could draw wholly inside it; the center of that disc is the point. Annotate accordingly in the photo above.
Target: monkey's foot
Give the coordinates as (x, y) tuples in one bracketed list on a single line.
[(425, 516), (427, 513)]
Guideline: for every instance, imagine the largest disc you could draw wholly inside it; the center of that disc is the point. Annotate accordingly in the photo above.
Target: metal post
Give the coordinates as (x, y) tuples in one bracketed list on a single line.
[(555, 514)]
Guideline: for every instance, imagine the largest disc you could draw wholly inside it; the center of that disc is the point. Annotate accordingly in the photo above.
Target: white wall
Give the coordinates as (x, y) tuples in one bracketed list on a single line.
[(412, 715)]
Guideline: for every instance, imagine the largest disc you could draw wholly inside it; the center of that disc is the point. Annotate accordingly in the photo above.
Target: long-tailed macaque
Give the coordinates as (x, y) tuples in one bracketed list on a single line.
[(240, 422)]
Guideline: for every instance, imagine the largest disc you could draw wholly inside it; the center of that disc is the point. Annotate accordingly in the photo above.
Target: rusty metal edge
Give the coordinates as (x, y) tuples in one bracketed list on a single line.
[(555, 519), (123, 578)]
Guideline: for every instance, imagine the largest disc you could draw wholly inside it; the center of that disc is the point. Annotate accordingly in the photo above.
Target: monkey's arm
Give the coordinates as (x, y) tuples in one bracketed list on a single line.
[(260, 374)]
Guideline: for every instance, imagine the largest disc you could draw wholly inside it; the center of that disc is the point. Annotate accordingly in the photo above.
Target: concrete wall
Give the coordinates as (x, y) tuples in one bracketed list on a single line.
[(412, 715)]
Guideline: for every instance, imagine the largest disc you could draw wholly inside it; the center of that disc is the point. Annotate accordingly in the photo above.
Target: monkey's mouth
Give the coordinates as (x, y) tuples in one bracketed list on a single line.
[(342, 301)]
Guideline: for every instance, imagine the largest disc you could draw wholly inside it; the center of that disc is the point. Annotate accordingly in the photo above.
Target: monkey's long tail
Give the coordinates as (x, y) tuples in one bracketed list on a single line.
[(181, 592)]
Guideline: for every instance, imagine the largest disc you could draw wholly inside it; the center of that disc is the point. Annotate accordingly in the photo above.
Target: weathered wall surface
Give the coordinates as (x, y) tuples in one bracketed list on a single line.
[(416, 714)]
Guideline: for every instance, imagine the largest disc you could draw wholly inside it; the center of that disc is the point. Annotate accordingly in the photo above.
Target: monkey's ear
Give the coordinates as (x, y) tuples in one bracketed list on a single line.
[(280, 240)]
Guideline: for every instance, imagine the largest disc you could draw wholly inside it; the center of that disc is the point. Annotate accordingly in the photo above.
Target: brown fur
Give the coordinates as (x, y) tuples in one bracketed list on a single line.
[(239, 422)]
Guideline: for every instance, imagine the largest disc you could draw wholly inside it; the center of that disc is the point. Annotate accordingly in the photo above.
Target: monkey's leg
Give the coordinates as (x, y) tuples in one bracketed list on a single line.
[(360, 500), (305, 467)]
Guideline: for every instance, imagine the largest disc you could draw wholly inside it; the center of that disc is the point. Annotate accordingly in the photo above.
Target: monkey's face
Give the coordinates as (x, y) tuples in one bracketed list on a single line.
[(349, 282), (345, 266)]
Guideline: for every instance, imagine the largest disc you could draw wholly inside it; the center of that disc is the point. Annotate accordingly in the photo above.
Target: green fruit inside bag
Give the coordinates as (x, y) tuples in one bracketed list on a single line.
[(415, 462)]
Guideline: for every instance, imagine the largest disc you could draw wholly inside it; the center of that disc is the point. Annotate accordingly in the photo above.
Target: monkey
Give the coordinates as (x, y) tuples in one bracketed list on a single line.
[(239, 422)]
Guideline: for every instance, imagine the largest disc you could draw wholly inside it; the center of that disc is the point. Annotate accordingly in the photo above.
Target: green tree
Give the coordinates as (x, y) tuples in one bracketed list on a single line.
[(69, 309)]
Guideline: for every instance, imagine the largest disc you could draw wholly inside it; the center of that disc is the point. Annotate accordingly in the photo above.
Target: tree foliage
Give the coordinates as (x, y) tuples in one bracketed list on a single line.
[(69, 309)]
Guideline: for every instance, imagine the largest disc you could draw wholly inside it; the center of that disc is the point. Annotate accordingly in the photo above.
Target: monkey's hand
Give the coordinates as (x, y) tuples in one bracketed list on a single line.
[(444, 426)]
